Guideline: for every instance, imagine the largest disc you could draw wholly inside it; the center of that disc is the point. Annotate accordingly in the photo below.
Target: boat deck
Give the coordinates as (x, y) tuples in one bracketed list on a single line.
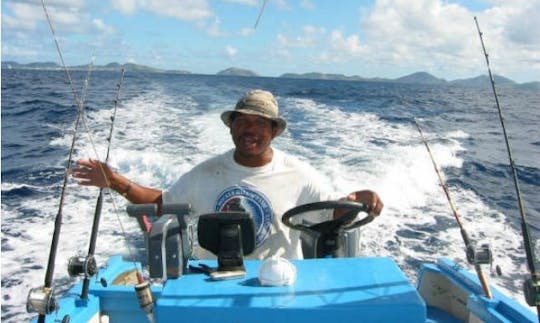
[(326, 290)]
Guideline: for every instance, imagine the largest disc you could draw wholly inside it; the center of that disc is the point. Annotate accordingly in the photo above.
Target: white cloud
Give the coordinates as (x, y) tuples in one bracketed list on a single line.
[(281, 4), (348, 45), (420, 35), (521, 22), (100, 25), (198, 12), (246, 32), (246, 2), (64, 3), (24, 16), (512, 39), (418, 25), (187, 10), (212, 28), (431, 35), (127, 7), (66, 17), (23, 51), (325, 47), (441, 37), (309, 38), (231, 51)]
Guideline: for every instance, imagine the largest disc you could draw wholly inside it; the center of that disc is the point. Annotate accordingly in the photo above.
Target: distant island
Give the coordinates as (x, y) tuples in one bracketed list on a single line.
[(414, 78), (111, 67), (420, 78), (234, 71)]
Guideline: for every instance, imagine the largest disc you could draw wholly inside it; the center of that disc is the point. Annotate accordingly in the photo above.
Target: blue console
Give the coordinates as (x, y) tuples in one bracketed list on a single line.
[(336, 290)]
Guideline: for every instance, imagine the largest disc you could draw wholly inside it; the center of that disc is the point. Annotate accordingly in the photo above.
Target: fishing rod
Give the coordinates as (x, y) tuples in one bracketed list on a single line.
[(260, 14), (86, 266), (41, 299), (474, 256), (531, 285)]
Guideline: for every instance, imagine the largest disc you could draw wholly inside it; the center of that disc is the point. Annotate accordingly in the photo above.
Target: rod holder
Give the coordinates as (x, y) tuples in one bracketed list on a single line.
[(144, 295)]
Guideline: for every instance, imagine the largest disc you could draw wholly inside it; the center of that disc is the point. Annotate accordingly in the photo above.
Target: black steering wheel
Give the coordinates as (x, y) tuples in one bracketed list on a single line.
[(324, 237)]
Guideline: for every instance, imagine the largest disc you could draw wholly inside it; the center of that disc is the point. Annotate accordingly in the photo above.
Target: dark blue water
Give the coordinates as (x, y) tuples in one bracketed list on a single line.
[(359, 134)]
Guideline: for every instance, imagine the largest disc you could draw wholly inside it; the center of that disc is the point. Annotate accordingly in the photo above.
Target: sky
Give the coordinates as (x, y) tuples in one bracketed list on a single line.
[(377, 38)]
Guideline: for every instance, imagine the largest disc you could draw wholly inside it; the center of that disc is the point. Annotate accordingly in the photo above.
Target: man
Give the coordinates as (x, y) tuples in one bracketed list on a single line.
[(252, 177)]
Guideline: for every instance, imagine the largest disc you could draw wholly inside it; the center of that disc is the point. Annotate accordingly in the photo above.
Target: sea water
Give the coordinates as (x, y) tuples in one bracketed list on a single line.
[(360, 135)]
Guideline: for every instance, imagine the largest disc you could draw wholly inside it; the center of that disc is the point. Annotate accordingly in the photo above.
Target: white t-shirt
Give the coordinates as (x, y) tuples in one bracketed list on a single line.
[(220, 184)]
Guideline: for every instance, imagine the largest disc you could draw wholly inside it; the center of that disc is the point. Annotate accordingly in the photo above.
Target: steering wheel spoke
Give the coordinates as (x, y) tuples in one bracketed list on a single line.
[(329, 231)]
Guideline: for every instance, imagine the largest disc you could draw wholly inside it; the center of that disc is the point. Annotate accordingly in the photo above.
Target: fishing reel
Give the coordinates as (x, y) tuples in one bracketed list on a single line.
[(531, 289), (82, 266), (41, 300), (479, 256)]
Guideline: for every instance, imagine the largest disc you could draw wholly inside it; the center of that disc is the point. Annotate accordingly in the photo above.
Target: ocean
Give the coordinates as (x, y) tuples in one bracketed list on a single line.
[(358, 134)]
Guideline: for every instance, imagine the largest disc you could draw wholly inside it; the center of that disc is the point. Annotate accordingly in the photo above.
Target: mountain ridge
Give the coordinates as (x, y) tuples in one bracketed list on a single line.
[(114, 66), (413, 78)]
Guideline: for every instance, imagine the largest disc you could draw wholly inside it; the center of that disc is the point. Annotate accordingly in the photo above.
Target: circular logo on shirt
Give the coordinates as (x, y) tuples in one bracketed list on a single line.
[(246, 199)]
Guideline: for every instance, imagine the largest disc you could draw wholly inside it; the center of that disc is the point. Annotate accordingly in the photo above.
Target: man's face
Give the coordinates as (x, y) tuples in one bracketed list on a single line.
[(252, 134)]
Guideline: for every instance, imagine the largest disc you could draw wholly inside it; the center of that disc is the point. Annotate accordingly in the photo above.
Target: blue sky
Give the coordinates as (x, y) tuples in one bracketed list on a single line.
[(386, 38)]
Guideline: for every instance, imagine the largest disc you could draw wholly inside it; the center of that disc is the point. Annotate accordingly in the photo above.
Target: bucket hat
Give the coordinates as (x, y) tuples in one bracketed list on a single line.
[(257, 102)]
